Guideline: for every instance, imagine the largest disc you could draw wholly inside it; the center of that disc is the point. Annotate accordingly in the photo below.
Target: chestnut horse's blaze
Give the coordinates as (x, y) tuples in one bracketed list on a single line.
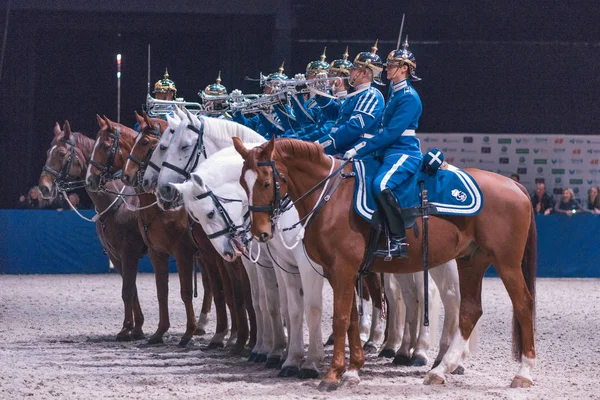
[(503, 234)]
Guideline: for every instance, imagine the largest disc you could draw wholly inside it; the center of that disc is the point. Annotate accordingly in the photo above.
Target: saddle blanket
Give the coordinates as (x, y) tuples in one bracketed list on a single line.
[(451, 191)]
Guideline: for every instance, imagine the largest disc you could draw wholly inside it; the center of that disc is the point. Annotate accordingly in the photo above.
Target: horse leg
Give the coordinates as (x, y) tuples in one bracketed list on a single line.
[(395, 317), (247, 293), (240, 311), (129, 266), (292, 286), (357, 357), (138, 318), (422, 341), (207, 299), (216, 284), (343, 301), (367, 303), (257, 291), (377, 328), (124, 333), (228, 294), (160, 263), (272, 314), (470, 274), (312, 286), (185, 268), (406, 282)]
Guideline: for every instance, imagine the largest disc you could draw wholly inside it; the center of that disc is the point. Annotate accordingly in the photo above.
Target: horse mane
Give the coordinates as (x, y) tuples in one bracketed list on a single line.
[(300, 149), (84, 143), (224, 130)]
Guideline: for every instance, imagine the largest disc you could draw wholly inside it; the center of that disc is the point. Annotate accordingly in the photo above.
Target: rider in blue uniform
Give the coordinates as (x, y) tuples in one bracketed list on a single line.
[(164, 89), (396, 139), (360, 115), (215, 97), (330, 107)]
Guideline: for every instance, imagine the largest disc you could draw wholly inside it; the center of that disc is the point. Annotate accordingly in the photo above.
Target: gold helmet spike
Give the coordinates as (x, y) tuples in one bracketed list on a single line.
[(324, 56), (374, 48), (405, 45), (166, 75), (345, 55), (281, 68), (219, 78)]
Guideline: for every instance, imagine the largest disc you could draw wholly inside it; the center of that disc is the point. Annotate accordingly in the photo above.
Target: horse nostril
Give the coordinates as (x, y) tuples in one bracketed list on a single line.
[(125, 179), (264, 236), (44, 190)]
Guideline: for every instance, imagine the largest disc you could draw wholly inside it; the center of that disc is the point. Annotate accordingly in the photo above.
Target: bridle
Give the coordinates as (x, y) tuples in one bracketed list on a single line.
[(199, 149), (62, 177), (143, 164), (280, 203), (105, 170), (231, 228)]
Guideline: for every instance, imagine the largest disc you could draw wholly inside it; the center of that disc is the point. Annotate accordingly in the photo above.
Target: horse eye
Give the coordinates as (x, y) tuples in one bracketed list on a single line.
[(144, 142), (163, 147), (211, 214), (185, 147), (267, 184)]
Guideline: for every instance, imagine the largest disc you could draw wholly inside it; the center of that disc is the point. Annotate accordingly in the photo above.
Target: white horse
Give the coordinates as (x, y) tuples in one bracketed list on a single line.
[(212, 198)]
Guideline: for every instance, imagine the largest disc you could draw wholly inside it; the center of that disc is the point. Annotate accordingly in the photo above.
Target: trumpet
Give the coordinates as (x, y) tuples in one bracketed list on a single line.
[(321, 83), (250, 104), (159, 108)]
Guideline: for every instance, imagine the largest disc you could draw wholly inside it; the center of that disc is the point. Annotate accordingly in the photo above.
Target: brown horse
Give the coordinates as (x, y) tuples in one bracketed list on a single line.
[(167, 232), (67, 160), (503, 234)]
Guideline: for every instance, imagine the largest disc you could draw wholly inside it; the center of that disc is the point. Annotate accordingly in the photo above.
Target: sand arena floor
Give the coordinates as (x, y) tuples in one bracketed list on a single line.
[(57, 341)]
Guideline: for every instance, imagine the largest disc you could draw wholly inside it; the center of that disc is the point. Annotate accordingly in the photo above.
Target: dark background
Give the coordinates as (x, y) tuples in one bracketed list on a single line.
[(487, 66)]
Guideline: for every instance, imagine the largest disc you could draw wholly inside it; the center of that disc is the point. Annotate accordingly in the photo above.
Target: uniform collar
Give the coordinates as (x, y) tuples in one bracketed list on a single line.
[(341, 93), (359, 89), (400, 85)]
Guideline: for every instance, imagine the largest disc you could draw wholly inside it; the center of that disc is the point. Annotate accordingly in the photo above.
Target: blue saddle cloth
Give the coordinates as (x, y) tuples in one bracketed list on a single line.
[(451, 191)]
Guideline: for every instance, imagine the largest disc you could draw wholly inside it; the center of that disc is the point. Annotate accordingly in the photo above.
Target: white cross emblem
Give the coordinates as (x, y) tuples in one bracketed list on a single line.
[(434, 157)]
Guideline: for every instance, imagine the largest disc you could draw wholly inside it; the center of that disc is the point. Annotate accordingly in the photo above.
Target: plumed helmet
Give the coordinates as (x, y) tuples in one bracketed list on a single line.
[(341, 67), (316, 67), (216, 88), (402, 57), (164, 85), (372, 61), (277, 75)]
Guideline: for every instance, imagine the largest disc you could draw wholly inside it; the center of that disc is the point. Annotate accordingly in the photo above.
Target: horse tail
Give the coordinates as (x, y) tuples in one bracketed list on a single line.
[(528, 268)]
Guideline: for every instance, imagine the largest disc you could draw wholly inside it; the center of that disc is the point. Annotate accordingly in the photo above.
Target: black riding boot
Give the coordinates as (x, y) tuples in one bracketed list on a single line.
[(389, 207)]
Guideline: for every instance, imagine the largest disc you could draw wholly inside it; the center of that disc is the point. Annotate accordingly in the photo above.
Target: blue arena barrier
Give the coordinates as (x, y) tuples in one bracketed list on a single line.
[(49, 242), (52, 242)]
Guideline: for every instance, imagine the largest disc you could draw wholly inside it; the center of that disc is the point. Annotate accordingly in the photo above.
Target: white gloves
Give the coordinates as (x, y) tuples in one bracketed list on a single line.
[(350, 154)]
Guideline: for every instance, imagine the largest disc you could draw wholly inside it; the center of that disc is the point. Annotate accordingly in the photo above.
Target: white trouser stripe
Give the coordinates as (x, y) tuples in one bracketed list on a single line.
[(367, 135), (408, 132), (389, 174)]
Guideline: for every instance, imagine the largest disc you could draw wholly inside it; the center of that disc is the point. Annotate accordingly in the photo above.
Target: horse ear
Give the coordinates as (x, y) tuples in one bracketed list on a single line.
[(146, 120), (107, 122), (240, 148), (56, 129), (270, 148), (101, 122), (197, 179), (139, 118), (67, 129)]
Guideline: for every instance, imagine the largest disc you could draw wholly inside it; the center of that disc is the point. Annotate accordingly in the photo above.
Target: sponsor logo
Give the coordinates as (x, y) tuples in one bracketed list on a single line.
[(449, 159), (486, 161), (575, 171), (540, 170), (467, 160), (576, 152), (590, 181), (558, 171), (593, 142), (577, 160), (593, 151), (540, 151), (522, 171), (576, 141), (458, 195), (540, 161), (450, 140), (523, 151), (559, 141), (558, 179), (541, 140), (503, 160), (467, 139), (594, 171), (503, 149), (558, 150), (594, 161), (504, 140), (449, 149), (468, 151), (486, 150), (576, 189), (521, 160), (575, 181), (557, 191), (524, 141), (557, 161), (486, 139), (428, 139)]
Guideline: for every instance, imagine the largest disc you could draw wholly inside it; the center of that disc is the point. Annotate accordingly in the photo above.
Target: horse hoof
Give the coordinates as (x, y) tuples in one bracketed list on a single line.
[(370, 348), (236, 351), (280, 365), (417, 361), (520, 382), (329, 341), (460, 370), (137, 335), (387, 353), (307, 373), (350, 379), (184, 342), (155, 339), (272, 362), (288, 372), (433, 379), (260, 358), (215, 345), (325, 386), (199, 332), (252, 357), (401, 360), (124, 336)]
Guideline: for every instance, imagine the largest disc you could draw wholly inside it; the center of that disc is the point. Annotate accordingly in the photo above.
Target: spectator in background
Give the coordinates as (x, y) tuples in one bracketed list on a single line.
[(34, 199), (593, 200), (567, 205), (74, 200), (515, 177), (542, 202), (22, 203)]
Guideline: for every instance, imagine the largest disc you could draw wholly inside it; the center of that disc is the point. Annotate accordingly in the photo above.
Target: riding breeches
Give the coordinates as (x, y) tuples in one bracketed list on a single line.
[(396, 168)]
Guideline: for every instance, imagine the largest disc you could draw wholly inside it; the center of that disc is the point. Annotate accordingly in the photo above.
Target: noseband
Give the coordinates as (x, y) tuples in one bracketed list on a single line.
[(232, 229), (105, 174), (279, 203), (199, 149)]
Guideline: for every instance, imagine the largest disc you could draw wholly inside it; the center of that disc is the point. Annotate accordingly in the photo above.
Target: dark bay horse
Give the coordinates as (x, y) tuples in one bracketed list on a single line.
[(67, 160), (502, 234)]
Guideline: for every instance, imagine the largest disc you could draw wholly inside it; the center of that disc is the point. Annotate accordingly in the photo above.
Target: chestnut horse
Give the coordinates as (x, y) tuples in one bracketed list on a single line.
[(224, 290), (67, 160), (503, 234)]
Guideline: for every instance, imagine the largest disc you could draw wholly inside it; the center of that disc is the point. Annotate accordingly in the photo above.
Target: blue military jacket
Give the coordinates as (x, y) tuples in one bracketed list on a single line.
[(359, 117), (400, 119)]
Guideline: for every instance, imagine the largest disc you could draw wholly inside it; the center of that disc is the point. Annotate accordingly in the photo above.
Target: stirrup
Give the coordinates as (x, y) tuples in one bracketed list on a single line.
[(400, 250)]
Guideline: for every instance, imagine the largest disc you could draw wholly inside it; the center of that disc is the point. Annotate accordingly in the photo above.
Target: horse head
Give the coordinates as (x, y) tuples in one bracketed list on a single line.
[(64, 162), (151, 130), (264, 180), (151, 175), (107, 156)]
